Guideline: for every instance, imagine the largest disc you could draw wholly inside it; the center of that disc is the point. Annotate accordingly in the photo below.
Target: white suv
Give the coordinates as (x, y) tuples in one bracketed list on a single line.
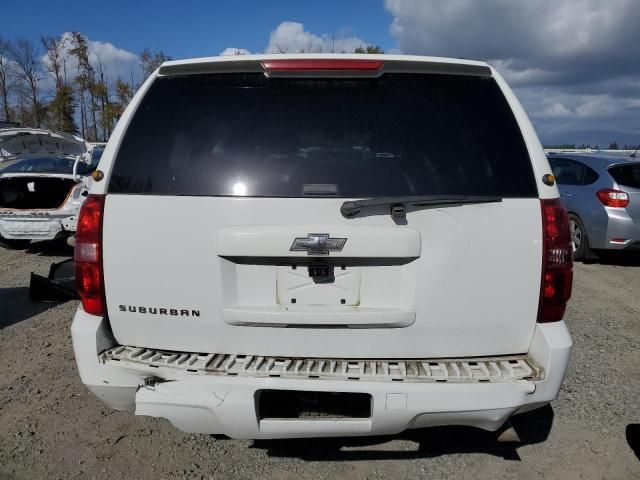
[(323, 245)]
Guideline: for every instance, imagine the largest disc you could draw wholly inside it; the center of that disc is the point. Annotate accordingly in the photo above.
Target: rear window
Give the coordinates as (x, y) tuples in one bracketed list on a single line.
[(42, 165), (400, 134), (626, 175)]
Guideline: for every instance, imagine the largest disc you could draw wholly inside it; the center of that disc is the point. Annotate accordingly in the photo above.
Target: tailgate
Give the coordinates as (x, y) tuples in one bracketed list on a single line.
[(223, 229), (211, 274)]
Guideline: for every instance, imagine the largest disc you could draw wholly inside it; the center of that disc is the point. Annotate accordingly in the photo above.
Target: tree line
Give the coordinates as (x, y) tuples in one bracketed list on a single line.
[(82, 100), (574, 146)]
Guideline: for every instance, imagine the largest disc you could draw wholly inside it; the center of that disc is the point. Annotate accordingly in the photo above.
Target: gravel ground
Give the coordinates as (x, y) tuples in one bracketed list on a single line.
[(50, 426)]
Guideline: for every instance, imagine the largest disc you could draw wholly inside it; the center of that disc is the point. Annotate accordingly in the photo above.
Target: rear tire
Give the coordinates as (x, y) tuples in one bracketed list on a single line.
[(579, 239), (12, 244)]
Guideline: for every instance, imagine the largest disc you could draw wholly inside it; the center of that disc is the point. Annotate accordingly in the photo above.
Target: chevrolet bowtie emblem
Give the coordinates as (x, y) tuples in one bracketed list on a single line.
[(318, 244)]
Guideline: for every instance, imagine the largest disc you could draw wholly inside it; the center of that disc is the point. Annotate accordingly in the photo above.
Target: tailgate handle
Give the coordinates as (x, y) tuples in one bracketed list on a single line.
[(332, 241), (280, 316)]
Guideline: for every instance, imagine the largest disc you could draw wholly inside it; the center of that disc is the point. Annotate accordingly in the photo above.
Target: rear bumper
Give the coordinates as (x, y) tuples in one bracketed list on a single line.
[(226, 404), (633, 246), (36, 225), (621, 232)]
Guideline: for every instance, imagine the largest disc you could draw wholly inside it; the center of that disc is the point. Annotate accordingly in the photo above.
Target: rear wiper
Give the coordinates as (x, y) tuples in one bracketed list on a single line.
[(398, 205)]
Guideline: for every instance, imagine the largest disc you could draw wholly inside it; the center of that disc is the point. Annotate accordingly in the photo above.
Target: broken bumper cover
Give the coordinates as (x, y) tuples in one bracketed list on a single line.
[(36, 225), (217, 393)]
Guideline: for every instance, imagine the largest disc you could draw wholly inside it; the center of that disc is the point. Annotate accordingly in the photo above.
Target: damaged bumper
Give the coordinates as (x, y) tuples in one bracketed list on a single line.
[(36, 225), (209, 393), (41, 224)]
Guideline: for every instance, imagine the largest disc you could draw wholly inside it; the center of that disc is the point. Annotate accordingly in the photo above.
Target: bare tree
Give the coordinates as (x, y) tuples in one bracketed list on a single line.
[(150, 61), (61, 108), (124, 94), (22, 110), (6, 77), (29, 72), (54, 49), (101, 89), (86, 83), (78, 49), (282, 48), (369, 49)]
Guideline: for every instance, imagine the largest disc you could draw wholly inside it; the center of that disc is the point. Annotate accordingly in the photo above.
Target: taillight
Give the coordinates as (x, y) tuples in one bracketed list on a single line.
[(613, 198), (557, 264), (88, 256)]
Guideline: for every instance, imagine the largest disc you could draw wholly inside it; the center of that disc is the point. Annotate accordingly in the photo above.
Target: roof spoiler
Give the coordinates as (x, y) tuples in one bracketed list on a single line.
[(262, 63)]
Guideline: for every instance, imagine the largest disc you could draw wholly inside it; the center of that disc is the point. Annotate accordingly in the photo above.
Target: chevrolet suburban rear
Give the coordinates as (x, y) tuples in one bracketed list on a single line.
[(323, 245)]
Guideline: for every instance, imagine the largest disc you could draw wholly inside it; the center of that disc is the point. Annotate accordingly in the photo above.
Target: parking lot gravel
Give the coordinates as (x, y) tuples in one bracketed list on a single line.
[(52, 427)]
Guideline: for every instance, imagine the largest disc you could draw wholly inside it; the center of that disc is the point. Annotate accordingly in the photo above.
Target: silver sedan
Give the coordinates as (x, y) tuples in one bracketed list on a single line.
[(601, 192)]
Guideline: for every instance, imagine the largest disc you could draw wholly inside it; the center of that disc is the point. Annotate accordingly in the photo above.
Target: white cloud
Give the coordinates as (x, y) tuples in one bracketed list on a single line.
[(234, 51), (563, 116), (604, 106), (573, 63), (556, 110), (546, 30), (116, 62), (517, 74), (291, 37)]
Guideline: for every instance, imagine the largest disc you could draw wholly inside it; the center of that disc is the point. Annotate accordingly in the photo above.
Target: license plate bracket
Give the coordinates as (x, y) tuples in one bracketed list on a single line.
[(318, 284)]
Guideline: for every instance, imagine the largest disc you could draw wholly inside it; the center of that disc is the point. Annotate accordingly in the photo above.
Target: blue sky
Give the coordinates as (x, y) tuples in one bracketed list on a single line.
[(190, 28), (574, 64)]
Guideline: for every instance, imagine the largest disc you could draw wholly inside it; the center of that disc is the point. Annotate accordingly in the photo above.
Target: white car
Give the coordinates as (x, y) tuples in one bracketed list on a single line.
[(323, 245), (44, 179)]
